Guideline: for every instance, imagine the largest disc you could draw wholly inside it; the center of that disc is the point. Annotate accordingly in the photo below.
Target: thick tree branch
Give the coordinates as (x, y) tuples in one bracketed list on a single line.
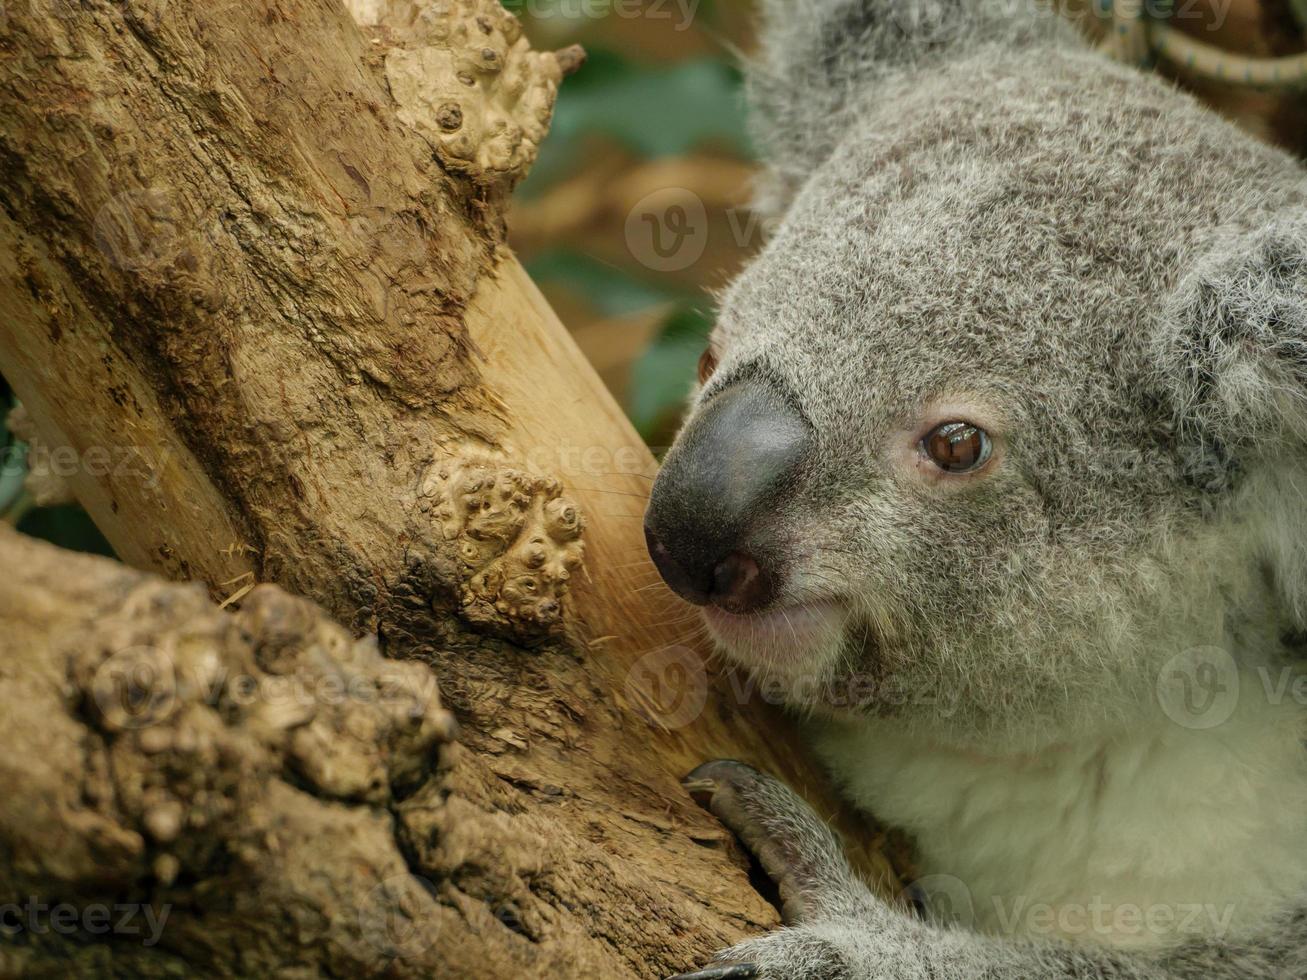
[(247, 254)]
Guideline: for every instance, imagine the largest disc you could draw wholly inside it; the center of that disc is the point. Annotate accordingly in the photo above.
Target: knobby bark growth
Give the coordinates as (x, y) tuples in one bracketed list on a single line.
[(258, 310)]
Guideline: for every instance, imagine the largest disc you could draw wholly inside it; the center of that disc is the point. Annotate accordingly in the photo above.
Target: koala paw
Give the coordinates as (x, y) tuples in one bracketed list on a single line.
[(830, 915), (797, 953)]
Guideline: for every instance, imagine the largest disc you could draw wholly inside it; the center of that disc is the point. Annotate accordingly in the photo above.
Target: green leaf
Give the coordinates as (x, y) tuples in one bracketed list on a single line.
[(655, 111), (664, 376), (611, 291)]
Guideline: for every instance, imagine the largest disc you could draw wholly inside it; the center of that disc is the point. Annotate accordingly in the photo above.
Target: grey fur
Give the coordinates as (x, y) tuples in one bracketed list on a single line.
[(969, 203), (1014, 225), (822, 61), (841, 931)]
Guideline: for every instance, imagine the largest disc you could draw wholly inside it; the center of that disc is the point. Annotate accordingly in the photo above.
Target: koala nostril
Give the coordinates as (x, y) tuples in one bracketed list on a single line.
[(740, 584)]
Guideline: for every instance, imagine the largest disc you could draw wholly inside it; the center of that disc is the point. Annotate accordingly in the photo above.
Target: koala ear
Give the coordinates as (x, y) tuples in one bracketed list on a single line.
[(1234, 342), (820, 61), (1232, 352)]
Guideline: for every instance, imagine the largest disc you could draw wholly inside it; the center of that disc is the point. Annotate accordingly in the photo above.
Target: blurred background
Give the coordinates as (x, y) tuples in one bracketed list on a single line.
[(636, 211)]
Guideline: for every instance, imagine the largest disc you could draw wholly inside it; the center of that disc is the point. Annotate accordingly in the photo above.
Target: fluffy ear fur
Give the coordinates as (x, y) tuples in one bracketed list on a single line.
[(819, 61), (1233, 353), (1239, 339)]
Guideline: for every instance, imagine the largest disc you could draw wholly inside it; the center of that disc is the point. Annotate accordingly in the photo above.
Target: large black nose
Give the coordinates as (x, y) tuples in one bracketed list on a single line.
[(707, 519)]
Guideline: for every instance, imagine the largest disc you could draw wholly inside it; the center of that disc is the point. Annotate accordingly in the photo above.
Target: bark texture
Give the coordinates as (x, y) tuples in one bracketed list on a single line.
[(236, 773), (254, 291)]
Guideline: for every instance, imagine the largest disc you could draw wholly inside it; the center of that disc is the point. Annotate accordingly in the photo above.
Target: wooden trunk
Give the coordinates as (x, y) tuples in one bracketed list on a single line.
[(255, 299)]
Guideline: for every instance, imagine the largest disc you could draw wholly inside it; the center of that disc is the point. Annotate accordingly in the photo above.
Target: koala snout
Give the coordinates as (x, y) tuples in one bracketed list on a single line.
[(722, 477)]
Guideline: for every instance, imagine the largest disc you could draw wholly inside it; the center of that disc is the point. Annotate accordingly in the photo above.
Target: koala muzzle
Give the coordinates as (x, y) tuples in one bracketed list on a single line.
[(704, 525)]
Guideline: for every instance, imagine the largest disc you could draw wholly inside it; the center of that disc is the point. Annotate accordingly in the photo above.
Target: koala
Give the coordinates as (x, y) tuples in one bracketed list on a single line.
[(996, 471)]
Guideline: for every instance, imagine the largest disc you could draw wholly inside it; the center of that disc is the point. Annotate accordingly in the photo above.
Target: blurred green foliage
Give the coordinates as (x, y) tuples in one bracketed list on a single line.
[(612, 291), (653, 110), (66, 525), (662, 378)]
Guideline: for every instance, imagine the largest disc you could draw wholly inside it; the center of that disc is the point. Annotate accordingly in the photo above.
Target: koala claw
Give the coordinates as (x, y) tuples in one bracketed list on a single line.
[(823, 904), (795, 847), (722, 971)]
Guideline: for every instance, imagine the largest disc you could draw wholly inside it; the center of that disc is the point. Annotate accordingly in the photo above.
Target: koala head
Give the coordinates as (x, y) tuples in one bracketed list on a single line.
[(1008, 410)]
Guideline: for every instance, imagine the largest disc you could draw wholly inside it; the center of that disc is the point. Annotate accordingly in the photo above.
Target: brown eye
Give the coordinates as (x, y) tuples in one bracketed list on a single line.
[(707, 365), (956, 447)]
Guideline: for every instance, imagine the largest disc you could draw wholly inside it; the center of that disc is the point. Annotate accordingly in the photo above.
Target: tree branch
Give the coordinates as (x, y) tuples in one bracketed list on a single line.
[(246, 254)]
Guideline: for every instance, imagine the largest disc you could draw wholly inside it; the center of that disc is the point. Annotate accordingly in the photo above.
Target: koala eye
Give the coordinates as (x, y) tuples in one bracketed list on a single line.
[(957, 447), (707, 365)]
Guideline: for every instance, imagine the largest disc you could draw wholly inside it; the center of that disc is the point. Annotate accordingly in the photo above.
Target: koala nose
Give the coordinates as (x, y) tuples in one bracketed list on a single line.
[(704, 521)]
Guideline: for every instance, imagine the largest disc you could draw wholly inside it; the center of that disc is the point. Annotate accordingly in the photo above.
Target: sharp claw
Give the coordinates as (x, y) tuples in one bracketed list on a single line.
[(724, 971), (704, 780), (700, 790), (715, 768)]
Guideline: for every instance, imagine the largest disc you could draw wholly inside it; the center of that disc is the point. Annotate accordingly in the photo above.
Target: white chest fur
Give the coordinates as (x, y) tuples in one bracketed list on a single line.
[(1139, 839)]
